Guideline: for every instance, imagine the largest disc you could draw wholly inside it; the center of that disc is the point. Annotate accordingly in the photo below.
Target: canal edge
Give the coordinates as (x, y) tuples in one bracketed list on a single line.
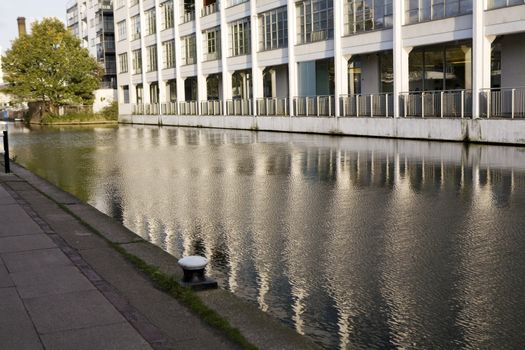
[(241, 322)]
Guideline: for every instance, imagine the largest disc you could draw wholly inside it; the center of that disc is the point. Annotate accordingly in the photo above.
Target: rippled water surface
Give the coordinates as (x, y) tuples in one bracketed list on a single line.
[(357, 243)]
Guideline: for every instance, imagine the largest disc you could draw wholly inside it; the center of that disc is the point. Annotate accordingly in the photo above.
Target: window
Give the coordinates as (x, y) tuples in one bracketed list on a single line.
[(315, 20), (135, 27), (240, 37), (212, 44), (151, 24), (236, 2), (167, 15), (154, 93), (273, 33), (171, 86), (125, 93), (168, 49), (188, 10), (137, 61), (123, 62), (121, 30), (189, 49), (494, 4), (151, 51), (429, 10), (366, 15)]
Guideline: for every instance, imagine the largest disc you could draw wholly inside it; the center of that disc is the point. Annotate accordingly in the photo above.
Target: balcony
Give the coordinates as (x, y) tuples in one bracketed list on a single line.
[(210, 9), (503, 103), (373, 105), (436, 104), (314, 106)]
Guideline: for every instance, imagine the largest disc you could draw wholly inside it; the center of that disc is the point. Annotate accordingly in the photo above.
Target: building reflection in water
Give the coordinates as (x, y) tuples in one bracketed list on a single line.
[(354, 242)]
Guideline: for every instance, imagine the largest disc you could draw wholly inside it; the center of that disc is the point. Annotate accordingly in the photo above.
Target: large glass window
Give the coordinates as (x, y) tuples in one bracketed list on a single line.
[(240, 37), (135, 27), (315, 20), (121, 30), (137, 61), (171, 86), (151, 24), (154, 93), (167, 15), (189, 49), (273, 33), (366, 15), (188, 10), (123, 62), (212, 44), (429, 10), (168, 50), (152, 58), (494, 4), (441, 67)]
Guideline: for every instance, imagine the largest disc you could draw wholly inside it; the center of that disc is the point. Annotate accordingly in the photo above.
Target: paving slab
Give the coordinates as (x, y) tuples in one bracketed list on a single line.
[(75, 310), (116, 336), (24, 243), (5, 197), (14, 221), (5, 279), (35, 260), (56, 280), (16, 330)]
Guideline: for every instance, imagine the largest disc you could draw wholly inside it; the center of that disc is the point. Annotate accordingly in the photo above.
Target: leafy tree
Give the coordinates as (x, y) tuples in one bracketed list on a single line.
[(50, 66)]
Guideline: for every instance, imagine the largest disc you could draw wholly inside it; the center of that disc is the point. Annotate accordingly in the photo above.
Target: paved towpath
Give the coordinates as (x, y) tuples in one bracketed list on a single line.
[(63, 287)]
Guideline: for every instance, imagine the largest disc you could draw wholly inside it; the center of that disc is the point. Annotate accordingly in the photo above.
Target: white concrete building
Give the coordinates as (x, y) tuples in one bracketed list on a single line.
[(332, 58), (92, 22)]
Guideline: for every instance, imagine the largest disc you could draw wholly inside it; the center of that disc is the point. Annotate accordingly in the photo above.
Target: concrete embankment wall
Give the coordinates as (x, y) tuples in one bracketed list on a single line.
[(504, 131)]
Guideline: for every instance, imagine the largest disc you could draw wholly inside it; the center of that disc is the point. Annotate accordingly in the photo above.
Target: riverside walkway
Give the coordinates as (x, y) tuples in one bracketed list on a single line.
[(63, 287)]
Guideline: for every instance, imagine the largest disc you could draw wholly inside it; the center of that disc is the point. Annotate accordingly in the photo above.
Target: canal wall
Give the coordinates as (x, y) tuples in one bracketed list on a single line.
[(505, 131)]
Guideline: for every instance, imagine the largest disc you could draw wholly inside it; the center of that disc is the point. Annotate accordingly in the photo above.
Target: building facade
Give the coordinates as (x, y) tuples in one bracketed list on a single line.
[(343, 58), (92, 22)]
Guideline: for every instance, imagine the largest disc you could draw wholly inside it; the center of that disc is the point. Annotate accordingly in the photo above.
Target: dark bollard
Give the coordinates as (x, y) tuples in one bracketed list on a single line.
[(6, 153), (194, 277)]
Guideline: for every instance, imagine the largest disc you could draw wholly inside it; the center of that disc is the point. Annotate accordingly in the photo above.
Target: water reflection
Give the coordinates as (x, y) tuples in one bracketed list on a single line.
[(354, 242)]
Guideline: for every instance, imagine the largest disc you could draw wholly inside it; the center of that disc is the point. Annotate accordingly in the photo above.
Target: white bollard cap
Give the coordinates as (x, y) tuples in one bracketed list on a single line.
[(193, 262)]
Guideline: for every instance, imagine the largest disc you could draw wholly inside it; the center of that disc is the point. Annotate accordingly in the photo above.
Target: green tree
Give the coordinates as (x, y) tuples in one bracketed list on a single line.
[(50, 66)]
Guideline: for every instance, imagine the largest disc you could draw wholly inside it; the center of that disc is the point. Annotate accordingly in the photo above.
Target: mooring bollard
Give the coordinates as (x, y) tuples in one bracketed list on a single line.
[(194, 276), (6, 153)]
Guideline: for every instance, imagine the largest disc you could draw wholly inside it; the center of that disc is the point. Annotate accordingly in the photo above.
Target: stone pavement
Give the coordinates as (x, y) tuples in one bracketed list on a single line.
[(63, 287)]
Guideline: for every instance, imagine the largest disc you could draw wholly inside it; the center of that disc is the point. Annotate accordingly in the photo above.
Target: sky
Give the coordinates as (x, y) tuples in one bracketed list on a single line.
[(31, 10)]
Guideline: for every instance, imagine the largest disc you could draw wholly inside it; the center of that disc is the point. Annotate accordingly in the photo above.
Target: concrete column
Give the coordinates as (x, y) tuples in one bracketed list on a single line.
[(292, 64), (338, 55), (226, 75), (178, 58), (257, 78), (143, 54), (401, 55), (201, 79), (481, 56), (162, 84)]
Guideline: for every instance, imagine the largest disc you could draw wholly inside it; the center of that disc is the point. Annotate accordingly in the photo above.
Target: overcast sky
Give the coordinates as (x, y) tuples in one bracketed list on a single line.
[(31, 10)]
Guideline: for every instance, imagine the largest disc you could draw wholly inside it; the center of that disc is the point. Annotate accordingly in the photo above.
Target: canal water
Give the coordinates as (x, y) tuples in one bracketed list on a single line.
[(356, 243)]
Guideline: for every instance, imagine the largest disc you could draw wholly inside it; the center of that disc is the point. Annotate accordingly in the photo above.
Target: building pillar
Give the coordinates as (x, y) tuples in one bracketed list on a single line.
[(145, 85), (400, 56), (338, 55), (226, 75), (178, 58), (162, 84), (481, 57), (292, 64), (201, 79), (257, 78)]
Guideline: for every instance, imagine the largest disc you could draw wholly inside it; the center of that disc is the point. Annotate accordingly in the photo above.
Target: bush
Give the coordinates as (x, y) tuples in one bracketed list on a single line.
[(109, 113)]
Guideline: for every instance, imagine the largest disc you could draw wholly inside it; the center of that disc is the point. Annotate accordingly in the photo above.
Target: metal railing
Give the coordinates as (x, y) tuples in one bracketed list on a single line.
[(208, 10), (272, 106), (189, 108), (239, 107), (211, 107), (502, 103), (310, 106), (436, 104), (373, 105), (169, 108)]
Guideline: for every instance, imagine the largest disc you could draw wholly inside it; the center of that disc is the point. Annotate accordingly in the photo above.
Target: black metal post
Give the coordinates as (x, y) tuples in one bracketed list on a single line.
[(6, 153)]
